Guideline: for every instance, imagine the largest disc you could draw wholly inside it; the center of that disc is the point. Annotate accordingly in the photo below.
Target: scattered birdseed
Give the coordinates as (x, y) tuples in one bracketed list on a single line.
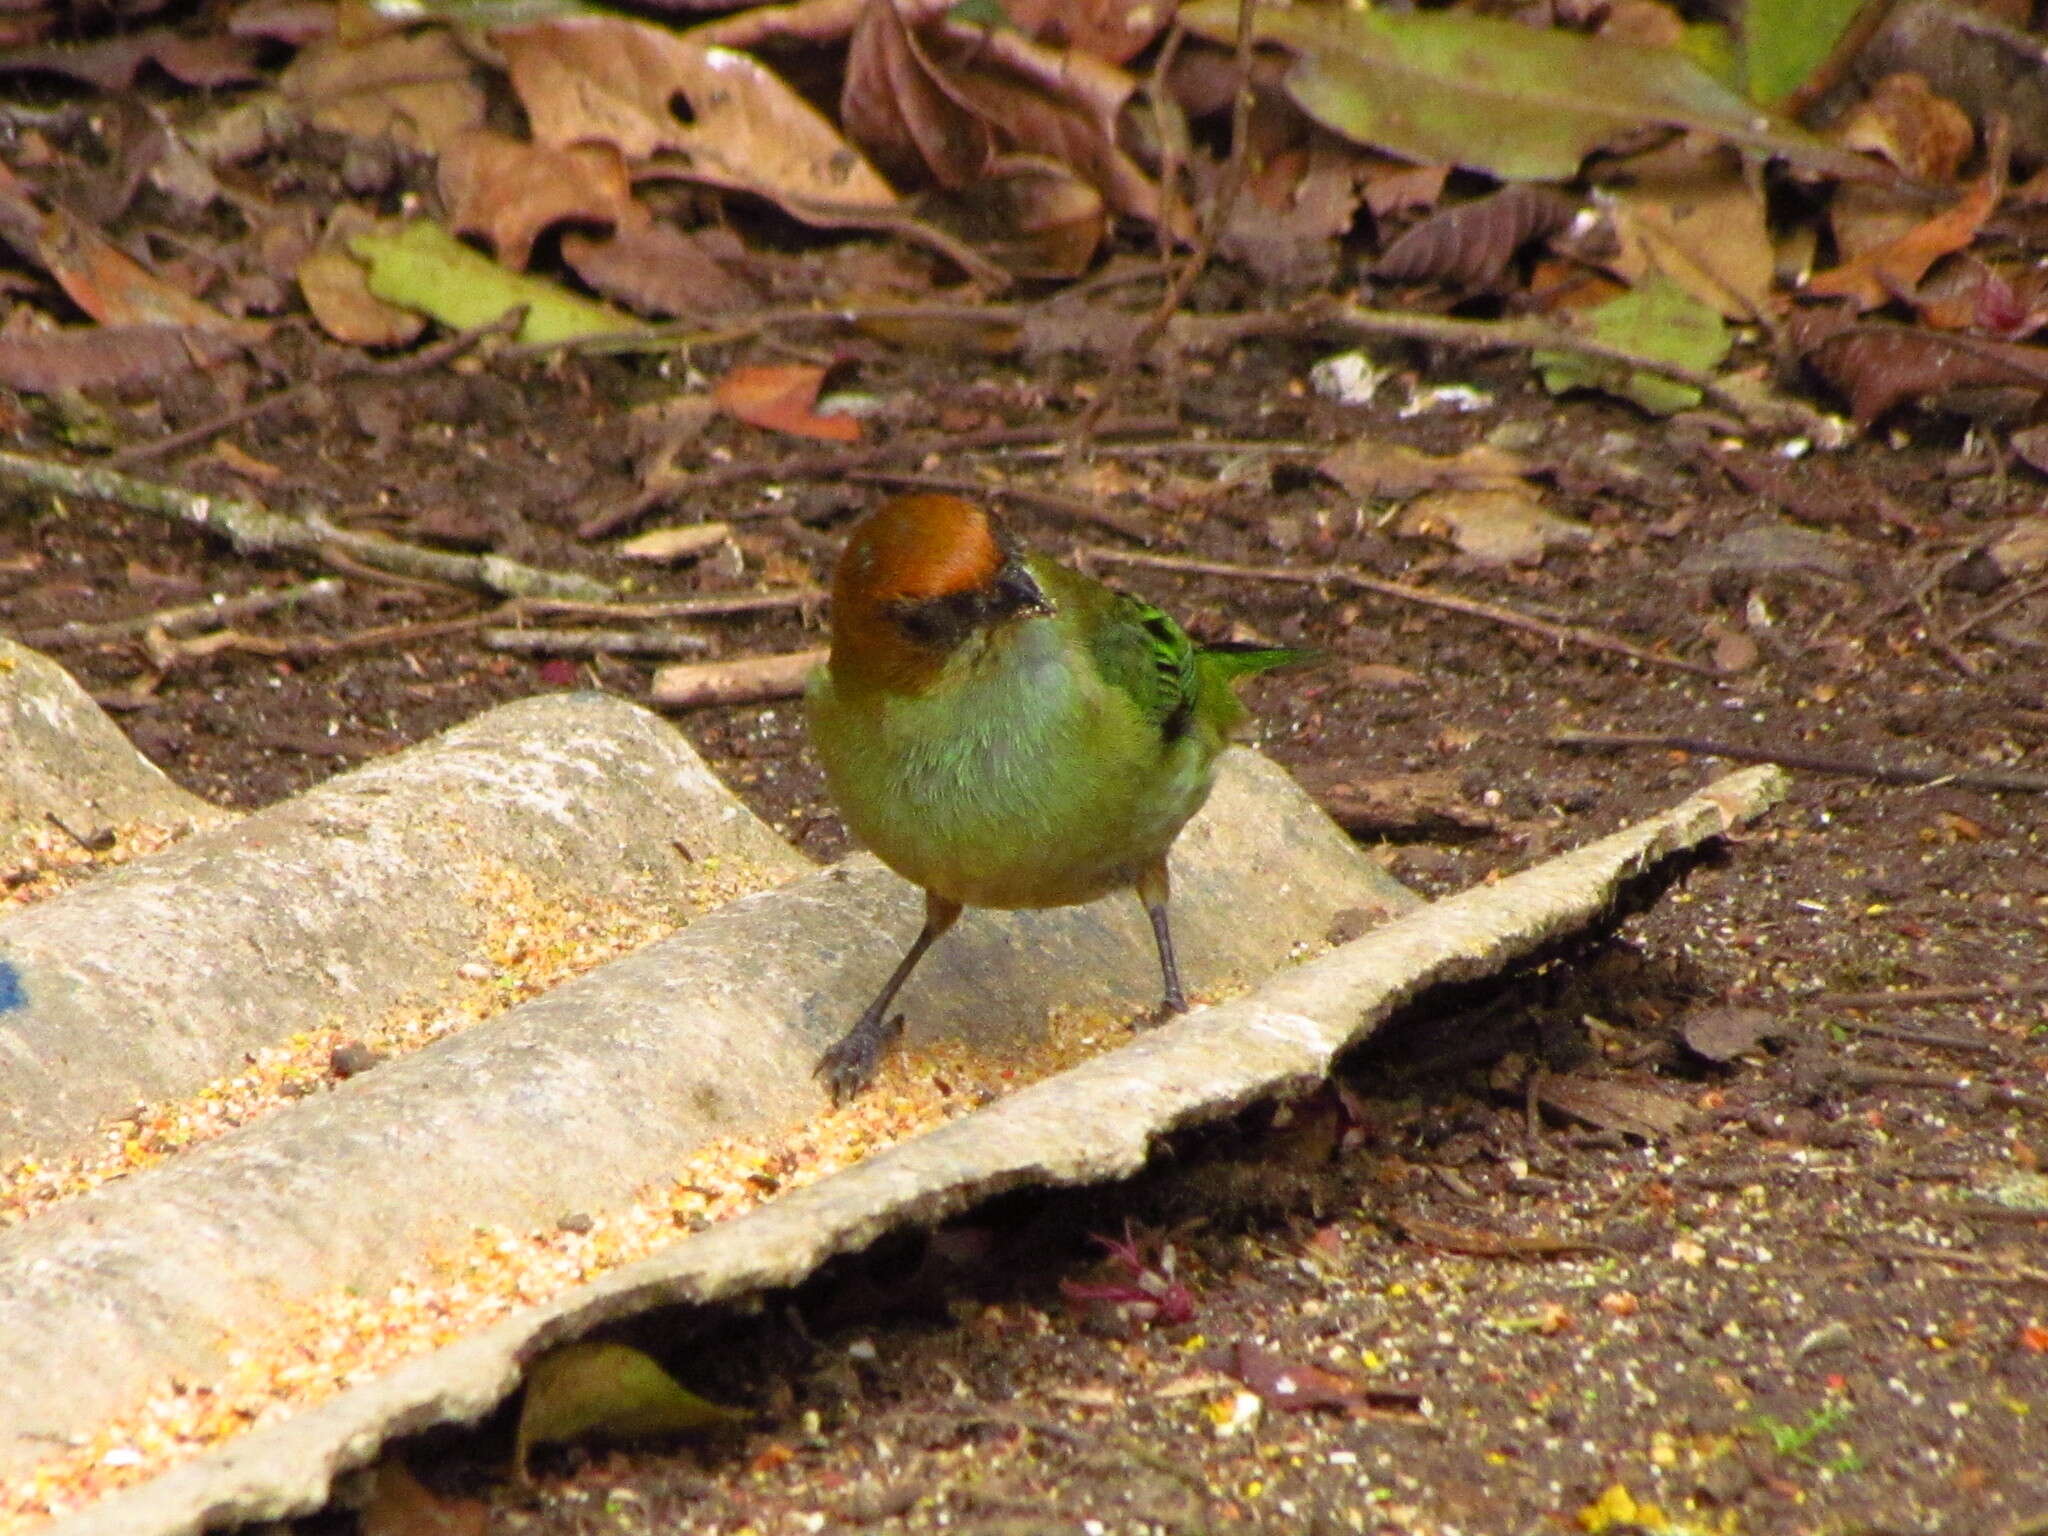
[(47, 860), (340, 1339), (530, 944)]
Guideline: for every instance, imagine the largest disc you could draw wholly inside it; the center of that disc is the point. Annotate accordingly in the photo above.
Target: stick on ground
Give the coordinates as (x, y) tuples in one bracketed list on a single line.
[(252, 528), (1812, 762), (1328, 575)]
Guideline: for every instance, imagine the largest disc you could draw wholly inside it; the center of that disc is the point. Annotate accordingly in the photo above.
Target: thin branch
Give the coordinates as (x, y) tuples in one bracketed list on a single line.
[(1984, 616), (1235, 169), (596, 642), (677, 607), (1077, 508), (1812, 762), (1400, 591), (1922, 997), (181, 620), (252, 528), (742, 680), (837, 463)]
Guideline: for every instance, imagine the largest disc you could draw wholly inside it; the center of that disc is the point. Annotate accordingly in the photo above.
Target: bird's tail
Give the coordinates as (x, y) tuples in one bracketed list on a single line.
[(1232, 659)]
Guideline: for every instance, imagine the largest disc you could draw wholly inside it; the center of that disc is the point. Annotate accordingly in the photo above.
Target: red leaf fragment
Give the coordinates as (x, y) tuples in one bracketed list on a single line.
[(779, 397), (1297, 1385)]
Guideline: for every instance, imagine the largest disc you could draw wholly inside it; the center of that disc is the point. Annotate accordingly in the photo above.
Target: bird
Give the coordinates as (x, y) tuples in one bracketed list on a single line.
[(1004, 731)]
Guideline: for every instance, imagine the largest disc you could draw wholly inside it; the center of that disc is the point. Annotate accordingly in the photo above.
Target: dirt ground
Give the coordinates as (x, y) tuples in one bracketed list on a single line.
[(1819, 1305)]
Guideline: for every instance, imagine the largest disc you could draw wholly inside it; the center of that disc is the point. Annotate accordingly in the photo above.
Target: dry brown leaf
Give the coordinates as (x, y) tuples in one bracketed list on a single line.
[(418, 89), (618, 82), (1393, 186), (208, 61), (1375, 468), (1113, 30), (1032, 216), (667, 546), (510, 192), (87, 357), (1902, 121), (1470, 245), (894, 104), (1894, 269), (401, 1505), (1877, 368), (1689, 212), (1501, 526), (949, 98), (336, 288), (1299, 207), (657, 269), (779, 397), (98, 276)]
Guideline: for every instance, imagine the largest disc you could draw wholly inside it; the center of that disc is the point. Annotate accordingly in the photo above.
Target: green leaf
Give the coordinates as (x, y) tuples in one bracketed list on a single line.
[(421, 266), (607, 1389), (1655, 319), (1523, 104), (1784, 41)]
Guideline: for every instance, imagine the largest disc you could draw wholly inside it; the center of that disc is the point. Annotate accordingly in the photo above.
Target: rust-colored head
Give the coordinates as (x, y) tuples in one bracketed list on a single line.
[(919, 576)]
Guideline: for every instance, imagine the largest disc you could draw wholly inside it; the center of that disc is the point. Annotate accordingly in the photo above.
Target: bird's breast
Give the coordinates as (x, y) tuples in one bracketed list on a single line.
[(1020, 780)]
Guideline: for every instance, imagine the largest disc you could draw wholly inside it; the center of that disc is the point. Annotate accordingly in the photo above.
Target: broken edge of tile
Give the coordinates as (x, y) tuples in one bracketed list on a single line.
[(62, 759), (1094, 1123)]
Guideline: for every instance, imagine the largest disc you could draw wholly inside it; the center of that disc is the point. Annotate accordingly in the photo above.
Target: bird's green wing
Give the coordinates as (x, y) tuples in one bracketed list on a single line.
[(1140, 649)]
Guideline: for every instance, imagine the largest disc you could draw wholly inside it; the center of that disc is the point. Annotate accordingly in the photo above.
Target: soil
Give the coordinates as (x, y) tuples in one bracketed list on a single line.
[(1820, 1305)]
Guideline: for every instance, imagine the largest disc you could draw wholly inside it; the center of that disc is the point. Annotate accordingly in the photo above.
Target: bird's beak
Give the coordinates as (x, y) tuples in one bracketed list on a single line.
[(1022, 596)]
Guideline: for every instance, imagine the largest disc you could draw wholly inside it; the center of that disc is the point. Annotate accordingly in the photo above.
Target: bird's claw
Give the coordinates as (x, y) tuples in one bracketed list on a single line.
[(1170, 1007), (850, 1065)]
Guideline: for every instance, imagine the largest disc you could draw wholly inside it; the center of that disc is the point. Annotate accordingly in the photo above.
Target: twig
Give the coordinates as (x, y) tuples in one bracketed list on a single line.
[(1991, 1269), (1227, 190), (1813, 762), (835, 463), (1179, 448), (1075, 507), (177, 621), (678, 607), (1927, 1037), (445, 350), (1922, 997), (1400, 591), (1985, 616), (391, 634), (743, 680), (596, 642), (680, 334), (252, 528)]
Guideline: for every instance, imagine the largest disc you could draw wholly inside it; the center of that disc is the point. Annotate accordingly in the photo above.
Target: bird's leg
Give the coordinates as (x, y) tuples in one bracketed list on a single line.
[(1153, 890), (849, 1066)]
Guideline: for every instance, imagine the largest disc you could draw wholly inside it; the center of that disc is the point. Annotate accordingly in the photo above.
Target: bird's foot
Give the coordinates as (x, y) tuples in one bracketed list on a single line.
[(1171, 1006), (850, 1065)]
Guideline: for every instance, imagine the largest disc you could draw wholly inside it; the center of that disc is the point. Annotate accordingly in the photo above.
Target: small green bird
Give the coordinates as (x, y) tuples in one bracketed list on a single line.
[(1005, 732)]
